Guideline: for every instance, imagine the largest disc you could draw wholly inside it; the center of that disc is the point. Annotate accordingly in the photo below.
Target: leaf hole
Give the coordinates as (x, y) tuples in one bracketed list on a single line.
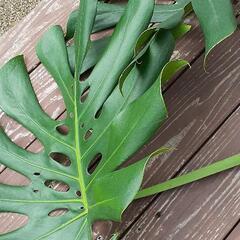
[(78, 193), (13, 178), (36, 174), (166, 2), (15, 221), (98, 113), (56, 185), (94, 163), (19, 134), (84, 76), (63, 129), (88, 134), (61, 159), (82, 125), (71, 115), (82, 207), (35, 190), (58, 212), (84, 95)]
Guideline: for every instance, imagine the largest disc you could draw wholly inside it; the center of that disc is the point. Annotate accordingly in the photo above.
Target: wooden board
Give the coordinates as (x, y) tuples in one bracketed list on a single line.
[(22, 38), (207, 209)]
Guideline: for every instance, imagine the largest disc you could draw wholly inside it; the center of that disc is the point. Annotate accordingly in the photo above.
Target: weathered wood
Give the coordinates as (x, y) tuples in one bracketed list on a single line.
[(207, 209), (50, 99), (22, 38), (192, 117)]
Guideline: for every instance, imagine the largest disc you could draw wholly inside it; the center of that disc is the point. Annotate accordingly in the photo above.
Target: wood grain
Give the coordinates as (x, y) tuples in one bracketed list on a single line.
[(22, 38), (206, 209)]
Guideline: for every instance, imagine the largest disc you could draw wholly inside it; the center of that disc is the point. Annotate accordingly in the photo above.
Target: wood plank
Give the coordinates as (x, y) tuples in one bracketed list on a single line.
[(50, 100), (22, 38), (207, 209)]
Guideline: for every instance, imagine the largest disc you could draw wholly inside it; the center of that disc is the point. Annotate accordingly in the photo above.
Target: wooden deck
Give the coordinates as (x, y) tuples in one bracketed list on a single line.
[(203, 127)]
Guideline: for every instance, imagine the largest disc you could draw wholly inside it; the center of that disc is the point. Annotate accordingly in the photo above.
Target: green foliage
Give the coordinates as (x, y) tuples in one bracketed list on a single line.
[(106, 117), (217, 20)]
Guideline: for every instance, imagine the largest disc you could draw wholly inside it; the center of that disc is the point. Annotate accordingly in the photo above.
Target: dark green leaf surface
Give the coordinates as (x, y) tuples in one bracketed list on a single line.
[(103, 118), (143, 44), (217, 20), (122, 126), (95, 52)]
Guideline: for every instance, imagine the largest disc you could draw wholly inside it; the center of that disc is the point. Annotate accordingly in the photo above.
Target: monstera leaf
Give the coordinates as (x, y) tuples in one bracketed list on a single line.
[(103, 124), (107, 122)]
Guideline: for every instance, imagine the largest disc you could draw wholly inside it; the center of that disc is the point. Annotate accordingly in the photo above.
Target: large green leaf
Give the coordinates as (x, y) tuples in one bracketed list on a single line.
[(217, 20), (105, 123)]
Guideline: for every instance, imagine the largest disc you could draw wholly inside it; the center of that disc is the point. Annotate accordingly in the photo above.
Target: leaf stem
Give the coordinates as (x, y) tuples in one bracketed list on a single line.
[(201, 173)]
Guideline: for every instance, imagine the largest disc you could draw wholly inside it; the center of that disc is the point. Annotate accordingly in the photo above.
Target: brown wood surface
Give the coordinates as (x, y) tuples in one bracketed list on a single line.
[(207, 209), (22, 38), (199, 105)]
